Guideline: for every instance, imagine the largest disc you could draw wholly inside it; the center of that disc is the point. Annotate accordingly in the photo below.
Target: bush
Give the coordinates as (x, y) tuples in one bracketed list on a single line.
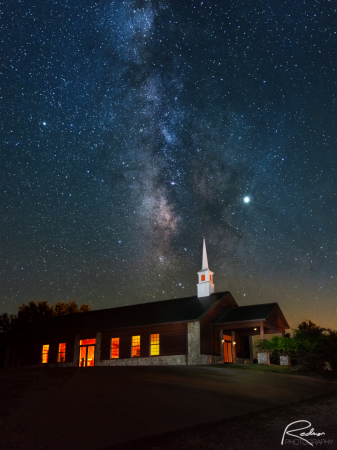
[(312, 347)]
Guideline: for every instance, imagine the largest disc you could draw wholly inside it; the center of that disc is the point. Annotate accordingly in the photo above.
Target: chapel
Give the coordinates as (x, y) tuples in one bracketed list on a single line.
[(207, 328)]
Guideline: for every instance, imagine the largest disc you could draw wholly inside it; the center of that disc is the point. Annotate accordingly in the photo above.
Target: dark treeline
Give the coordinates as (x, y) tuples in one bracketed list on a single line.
[(31, 314)]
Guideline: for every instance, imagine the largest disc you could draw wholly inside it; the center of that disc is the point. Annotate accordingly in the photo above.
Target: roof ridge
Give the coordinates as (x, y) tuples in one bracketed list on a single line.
[(258, 304), (160, 301)]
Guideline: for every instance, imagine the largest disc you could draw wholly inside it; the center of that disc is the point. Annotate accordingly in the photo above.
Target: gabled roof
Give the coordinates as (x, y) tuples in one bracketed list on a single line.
[(250, 312), (160, 312)]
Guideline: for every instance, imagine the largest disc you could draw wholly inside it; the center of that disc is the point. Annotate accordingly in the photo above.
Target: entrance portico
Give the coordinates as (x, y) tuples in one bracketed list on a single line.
[(243, 322)]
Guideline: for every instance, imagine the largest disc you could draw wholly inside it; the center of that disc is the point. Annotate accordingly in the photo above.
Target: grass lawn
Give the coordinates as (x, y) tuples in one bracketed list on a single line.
[(273, 368)]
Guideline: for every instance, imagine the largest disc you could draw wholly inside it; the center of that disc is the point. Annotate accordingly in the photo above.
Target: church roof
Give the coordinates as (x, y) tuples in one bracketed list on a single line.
[(160, 312)]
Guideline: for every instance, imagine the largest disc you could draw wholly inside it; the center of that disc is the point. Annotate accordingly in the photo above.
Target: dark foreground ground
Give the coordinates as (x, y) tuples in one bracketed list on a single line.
[(160, 408)]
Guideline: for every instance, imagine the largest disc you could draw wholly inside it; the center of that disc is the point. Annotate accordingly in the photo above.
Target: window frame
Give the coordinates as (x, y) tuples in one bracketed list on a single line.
[(59, 354), (45, 353), (155, 345), (115, 357), (135, 346)]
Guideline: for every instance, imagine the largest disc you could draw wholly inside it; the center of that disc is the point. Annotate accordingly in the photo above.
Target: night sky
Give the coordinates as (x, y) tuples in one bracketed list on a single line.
[(131, 130)]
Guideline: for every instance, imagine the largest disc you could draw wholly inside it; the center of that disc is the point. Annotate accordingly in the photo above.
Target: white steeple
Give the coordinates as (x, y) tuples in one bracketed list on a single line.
[(204, 257), (205, 285)]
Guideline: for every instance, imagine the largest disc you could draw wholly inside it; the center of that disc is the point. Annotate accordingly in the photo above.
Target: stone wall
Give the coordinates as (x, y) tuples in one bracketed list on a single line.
[(76, 350), (98, 346), (48, 365), (204, 360), (194, 357), (176, 360), (193, 332), (60, 365), (243, 361)]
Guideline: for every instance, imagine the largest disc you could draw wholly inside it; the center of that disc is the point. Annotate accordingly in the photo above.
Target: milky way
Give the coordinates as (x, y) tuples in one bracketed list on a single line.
[(131, 130)]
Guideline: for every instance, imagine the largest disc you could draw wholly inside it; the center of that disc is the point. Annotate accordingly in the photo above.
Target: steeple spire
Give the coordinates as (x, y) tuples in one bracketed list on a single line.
[(204, 258), (205, 285)]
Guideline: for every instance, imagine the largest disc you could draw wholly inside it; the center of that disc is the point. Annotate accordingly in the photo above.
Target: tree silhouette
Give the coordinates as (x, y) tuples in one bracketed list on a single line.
[(30, 315)]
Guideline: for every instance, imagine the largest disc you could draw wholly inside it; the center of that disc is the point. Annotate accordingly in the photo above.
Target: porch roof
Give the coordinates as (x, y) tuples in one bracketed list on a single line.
[(252, 313)]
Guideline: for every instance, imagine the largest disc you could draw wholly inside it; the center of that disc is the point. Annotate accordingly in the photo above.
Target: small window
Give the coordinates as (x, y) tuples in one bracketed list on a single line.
[(210, 278), (61, 357), (154, 344), (135, 346), (114, 348), (202, 277), (45, 352)]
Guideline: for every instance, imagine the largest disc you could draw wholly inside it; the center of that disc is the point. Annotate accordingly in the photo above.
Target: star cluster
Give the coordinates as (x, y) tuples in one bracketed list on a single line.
[(132, 129)]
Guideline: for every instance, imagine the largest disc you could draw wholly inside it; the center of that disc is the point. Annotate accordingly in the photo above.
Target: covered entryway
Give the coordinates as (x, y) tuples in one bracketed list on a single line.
[(87, 352), (241, 323)]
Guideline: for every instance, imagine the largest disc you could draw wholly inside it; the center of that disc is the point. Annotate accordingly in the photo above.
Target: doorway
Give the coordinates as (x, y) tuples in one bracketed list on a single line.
[(227, 349), (87, 353)]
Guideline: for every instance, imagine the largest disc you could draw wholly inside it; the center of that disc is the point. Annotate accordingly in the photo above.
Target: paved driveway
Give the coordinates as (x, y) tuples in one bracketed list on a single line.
[(101, 406)]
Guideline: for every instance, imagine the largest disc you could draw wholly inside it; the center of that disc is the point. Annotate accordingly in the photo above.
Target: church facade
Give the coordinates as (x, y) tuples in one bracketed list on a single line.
[(208, 328)]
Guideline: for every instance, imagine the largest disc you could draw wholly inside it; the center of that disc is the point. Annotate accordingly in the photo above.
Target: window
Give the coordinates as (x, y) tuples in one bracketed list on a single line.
[(45, 352), (61, 357), (88, 342), (135, 346), (154, 344), (202, 277), (114, 348)]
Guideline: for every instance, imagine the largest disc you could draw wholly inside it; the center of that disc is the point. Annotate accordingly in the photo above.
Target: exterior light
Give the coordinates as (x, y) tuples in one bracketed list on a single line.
[(255, 329), (234, 343), (223, 340)]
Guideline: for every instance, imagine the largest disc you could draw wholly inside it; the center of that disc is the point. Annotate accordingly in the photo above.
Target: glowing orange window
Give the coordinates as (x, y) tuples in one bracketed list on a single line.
[(45, 353), (202, 277), (210, 278), (61, 357), (88, 342), (154, 344), (135, 346), (114, 348)]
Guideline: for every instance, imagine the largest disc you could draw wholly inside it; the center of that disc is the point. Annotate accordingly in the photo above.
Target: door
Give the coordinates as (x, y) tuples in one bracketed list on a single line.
[(227, 348), (87, 356)]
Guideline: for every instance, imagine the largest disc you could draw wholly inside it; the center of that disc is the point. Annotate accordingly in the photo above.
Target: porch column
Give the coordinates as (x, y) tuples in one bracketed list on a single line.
[(251, 353), (261, 332), (233, 347), (283, 333), (222, 360)]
